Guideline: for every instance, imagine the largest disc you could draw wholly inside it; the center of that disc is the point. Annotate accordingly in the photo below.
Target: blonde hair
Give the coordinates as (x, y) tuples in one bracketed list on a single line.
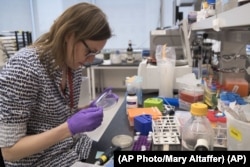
[(85, 20)]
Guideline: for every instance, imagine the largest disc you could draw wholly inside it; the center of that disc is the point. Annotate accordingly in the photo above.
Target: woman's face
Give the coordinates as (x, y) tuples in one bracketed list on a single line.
[(84, 52)]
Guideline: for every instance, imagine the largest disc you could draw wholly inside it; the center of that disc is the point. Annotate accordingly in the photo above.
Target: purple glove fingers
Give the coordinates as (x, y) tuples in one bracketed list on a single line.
[(85, 120)]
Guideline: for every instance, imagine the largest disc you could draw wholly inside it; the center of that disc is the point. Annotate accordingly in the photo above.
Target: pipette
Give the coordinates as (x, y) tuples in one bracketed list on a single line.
[(107, 155)]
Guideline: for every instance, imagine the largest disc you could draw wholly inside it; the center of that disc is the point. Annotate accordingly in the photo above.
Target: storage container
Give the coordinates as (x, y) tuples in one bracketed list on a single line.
[(190, 94), (238, 135), (237, 85)]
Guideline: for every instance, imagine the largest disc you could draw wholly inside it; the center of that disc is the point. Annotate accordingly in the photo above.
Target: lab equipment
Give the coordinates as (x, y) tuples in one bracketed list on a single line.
[(142, 142), (176, 38), (116, 57), (174, 102), (197, 133), (134, 91), (154, 102), (131, 100), (238, 129), (106, 57), (173, 38), (166, 58), (211, 96), (150, 75), (133, 112), (237, 85), (143, 124), (166, 130), (130, 57), (106, 100), (169, 109), (232, 97), (122, 141), (218, 123), (190, 91), (107, 155), (191, 94)]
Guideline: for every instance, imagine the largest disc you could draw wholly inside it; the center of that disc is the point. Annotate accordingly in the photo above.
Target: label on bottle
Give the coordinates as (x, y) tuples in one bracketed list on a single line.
[(132, 101)]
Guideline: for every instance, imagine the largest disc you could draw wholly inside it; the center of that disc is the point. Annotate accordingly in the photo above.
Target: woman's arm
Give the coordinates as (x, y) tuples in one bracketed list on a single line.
[(33, 144)]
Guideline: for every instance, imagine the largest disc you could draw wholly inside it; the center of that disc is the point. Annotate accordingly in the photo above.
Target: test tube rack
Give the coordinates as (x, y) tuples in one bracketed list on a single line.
[(220, 136), (166, 130)]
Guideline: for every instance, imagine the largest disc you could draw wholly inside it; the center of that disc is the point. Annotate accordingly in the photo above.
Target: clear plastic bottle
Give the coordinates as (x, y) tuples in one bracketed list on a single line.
[(197, 132)]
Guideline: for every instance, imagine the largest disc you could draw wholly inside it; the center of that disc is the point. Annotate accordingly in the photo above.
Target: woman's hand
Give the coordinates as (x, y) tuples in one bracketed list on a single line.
[(85, 120)]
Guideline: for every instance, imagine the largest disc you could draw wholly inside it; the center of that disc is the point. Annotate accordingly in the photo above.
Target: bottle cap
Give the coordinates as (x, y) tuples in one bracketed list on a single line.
[(199, 109)]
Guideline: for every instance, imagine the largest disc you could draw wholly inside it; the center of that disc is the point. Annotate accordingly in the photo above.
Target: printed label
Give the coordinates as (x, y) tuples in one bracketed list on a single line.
[(131, 102), (235, 133)]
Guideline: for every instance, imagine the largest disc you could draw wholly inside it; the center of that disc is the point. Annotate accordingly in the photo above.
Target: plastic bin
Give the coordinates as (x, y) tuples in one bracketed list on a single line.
[(238, 135), (191, 96), (184, 105), (240, 84)]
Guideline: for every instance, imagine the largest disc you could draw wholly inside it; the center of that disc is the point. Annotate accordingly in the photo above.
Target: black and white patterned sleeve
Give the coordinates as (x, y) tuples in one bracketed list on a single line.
[(18, 91)]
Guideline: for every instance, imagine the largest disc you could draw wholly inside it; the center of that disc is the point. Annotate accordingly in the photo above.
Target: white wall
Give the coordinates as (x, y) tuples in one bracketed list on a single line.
[(129, 19), (133, 20), (15, 15), (46, 11), (44, 15)]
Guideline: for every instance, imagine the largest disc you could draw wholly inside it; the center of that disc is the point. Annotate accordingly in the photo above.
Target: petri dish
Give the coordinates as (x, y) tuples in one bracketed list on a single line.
[(123, 141), (107, 99)]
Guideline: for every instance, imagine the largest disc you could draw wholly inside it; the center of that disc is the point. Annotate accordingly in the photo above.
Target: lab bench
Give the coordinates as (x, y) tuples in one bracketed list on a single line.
[(120, 126)]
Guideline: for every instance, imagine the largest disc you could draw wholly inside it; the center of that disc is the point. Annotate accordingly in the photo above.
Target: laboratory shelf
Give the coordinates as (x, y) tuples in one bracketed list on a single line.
[(232, 18)]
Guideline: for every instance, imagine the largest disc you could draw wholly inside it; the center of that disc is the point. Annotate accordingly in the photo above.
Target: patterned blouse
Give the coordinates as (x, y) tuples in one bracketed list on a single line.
[(32, 102)]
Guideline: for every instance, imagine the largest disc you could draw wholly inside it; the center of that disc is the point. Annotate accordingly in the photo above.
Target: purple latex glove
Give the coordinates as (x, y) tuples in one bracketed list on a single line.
[(85, 120)]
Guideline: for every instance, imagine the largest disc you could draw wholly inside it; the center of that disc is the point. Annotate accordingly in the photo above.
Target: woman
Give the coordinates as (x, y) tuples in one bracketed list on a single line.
[(40, 88)]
